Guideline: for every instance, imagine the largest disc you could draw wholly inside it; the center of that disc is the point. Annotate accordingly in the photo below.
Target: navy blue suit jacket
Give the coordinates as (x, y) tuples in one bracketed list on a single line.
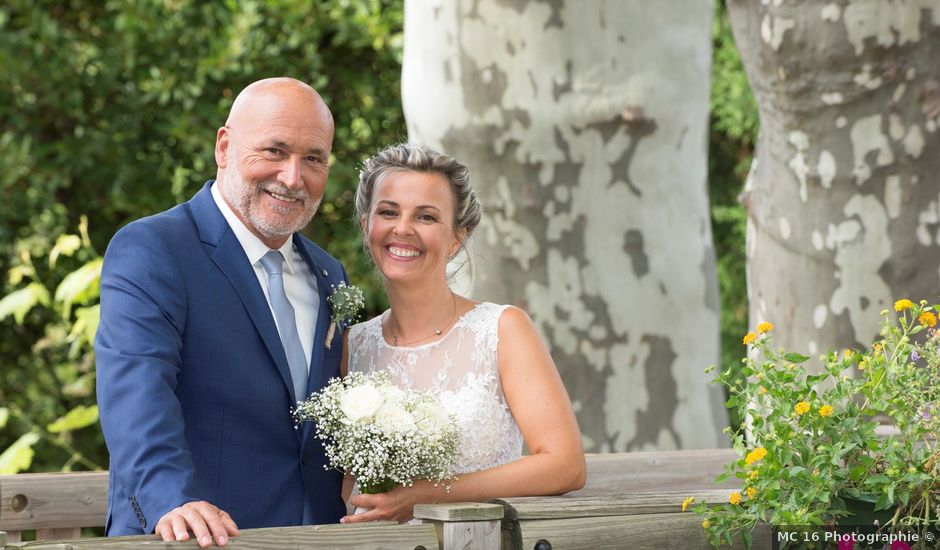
[(194, 389)]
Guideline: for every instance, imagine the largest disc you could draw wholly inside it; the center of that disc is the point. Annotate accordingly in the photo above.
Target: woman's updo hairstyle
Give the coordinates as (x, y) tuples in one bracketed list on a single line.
[(406, 157)]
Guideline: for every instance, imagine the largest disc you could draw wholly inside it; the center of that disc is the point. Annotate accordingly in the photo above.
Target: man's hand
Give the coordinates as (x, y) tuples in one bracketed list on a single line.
[(205, 520)]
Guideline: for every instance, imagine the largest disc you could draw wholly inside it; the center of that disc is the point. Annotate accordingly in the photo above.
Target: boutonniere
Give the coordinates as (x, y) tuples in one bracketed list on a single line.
[(345, 303)]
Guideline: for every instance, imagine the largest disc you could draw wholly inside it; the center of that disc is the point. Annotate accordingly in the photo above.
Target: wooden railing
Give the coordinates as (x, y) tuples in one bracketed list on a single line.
[(630, 500)]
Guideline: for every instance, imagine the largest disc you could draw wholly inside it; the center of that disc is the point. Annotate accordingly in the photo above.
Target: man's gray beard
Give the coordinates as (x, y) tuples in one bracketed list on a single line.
[(240, 194)]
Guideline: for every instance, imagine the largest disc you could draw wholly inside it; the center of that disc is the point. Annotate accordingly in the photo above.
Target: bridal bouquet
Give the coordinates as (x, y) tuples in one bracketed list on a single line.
[(380, 434)]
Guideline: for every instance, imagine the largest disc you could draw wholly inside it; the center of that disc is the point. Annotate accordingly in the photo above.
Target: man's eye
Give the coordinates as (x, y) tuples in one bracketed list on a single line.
[(273, 150), (314, 159)]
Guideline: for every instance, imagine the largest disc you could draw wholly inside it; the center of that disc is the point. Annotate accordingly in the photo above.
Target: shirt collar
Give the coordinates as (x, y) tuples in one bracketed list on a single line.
[(252, 245)]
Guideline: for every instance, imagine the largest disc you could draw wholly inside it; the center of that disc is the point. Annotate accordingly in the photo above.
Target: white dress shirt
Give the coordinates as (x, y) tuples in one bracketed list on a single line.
[(300, 284)]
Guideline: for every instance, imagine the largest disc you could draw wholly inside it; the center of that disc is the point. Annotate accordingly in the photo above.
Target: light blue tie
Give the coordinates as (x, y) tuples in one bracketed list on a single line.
[(273, 264)]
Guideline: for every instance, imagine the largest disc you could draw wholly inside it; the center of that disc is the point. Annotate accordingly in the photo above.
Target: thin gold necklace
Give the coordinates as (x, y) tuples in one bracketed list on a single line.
[(437, 331)]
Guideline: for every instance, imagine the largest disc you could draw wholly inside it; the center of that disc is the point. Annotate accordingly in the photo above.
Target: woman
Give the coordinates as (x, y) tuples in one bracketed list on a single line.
[(486, 362)]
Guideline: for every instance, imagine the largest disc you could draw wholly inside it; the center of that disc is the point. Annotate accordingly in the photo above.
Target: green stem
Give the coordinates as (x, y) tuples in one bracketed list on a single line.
[(57, 440)]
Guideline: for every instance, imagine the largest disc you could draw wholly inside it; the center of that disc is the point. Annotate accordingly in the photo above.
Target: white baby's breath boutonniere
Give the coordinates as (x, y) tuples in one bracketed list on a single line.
[(346, 302)]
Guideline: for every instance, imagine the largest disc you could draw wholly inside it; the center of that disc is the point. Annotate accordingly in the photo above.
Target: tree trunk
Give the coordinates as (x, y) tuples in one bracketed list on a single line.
[(584, 124), (842, 197)]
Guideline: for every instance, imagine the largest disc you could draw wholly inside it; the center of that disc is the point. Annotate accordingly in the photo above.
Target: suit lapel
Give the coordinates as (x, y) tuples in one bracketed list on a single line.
[(230, 258), (316, 378)]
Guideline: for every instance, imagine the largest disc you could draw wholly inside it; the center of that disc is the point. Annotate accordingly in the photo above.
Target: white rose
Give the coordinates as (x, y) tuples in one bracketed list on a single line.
[(360, 403), (391, 394), (431, 417), (394, 419)]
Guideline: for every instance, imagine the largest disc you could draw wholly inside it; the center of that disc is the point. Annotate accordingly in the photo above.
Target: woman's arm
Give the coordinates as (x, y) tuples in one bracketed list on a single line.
[(539, 403)]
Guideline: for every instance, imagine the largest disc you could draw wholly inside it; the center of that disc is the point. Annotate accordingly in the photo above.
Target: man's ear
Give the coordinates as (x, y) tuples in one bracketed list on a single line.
[(222, 143)]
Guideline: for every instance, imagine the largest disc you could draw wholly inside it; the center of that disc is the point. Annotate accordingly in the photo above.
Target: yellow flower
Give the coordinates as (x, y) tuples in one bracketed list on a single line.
[(752, 475), (928, 319), (686, 502), (877, 347), (848, 352), (762, 390), (825, 410), (765, 327), (862, 364), (802, 407), (791, 367), (751, 492), (706, 524), (755, 455), (902, 305), (759, 376), (749, 338), (735, 498)]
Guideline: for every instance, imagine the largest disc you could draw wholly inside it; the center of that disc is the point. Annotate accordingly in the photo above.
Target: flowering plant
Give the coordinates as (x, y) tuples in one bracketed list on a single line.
[(812, 446), (345, 303), (380, 434)]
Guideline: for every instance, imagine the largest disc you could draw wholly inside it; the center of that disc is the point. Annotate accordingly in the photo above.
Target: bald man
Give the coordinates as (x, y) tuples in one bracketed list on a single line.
[(199, 360)]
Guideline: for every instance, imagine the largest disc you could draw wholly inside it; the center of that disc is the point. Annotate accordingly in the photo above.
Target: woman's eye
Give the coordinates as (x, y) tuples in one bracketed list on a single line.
[(386, 213), (427, 218)]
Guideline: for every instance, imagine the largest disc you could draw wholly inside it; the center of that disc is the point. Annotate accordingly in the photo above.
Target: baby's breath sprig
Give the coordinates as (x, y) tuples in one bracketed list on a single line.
[(346, 302)]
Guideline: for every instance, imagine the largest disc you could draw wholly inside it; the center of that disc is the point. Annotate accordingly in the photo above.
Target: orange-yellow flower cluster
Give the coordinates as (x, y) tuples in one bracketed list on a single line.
[(706, 524), (802, 407), (686, 502), (755, 455), (751, 492), (749, 338), (928, 319), (825, 410), (902, 305), (735, 498), (765, 327), (752, 475)]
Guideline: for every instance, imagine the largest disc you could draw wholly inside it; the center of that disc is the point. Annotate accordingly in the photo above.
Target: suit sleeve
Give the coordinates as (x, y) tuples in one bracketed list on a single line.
[(138, 355)]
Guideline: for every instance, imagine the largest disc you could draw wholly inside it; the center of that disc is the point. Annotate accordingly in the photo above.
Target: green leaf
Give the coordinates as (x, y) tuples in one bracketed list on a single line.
[(19, 302), (79, 286), (84, 329), (65, 245), (883, 502), (76, 419), (19, 455), (4, 416), (794, 357)]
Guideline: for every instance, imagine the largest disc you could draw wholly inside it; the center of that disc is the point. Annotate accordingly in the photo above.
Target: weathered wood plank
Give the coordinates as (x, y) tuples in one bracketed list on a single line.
[(53, 501), (59, 533), (459, 511), (339, 537), (470, 535), (655, 471), (570, 506), (650, 531)]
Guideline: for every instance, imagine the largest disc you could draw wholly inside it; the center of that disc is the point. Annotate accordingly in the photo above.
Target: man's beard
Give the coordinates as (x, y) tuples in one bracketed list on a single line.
[(244, 197)]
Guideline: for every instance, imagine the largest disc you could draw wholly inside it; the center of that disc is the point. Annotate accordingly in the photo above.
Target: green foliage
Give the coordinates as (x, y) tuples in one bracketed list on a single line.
[(58, 390), (111, 109), (734, 126), (812, 437)]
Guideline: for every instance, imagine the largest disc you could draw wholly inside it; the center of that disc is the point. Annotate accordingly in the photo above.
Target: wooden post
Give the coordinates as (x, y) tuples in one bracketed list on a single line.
[(464, 525)]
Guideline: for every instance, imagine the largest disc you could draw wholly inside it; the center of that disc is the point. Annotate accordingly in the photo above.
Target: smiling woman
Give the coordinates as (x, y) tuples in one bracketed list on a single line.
[(484, 362)]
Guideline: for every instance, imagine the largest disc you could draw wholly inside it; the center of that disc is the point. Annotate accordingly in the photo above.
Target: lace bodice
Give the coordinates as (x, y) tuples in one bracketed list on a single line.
[(462, 370)]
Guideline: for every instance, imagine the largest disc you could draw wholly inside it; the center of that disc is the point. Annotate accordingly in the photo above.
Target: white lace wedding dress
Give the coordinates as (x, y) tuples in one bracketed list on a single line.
[(462, 371)]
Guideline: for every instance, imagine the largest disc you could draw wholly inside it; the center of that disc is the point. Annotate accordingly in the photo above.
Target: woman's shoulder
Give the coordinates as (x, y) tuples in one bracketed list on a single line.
[(363, 328)]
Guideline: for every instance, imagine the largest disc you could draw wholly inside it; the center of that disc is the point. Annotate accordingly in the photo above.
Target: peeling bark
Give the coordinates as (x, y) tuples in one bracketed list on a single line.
[(585, 125), (842, 197)]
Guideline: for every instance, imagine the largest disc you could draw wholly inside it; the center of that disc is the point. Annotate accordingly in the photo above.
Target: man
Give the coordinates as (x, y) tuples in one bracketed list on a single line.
[(214, 316)]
